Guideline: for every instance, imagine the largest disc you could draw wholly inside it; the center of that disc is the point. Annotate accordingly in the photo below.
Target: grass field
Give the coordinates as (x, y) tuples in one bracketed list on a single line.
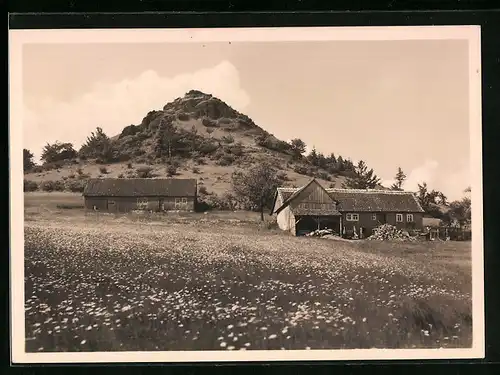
[(223, 281)]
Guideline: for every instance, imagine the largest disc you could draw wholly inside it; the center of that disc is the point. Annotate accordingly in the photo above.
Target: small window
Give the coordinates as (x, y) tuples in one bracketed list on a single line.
[(399, 218), (179, 202), (409, 218), (374, 216), (142, 203), (352, 217)]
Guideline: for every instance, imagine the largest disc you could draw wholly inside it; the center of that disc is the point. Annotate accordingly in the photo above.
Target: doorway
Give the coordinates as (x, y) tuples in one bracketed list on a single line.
[(111, 206)]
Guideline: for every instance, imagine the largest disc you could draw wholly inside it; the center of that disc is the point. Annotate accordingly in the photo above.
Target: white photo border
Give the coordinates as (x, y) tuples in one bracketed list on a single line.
[(17, 38)]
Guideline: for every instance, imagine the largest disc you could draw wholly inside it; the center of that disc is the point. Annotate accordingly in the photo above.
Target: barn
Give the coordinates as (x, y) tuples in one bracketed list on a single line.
[(311, 207), (151, 194)]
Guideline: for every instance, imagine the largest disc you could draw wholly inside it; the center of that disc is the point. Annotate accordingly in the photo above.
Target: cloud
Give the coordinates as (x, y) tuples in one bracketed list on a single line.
[(423, 173), (454, 184), (451, 183), (116, 105)]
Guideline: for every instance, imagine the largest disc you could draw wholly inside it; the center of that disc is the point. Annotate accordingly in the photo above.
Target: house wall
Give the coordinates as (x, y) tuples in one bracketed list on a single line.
[(366, 221), (100, 203), (285, 219), (127, 204)]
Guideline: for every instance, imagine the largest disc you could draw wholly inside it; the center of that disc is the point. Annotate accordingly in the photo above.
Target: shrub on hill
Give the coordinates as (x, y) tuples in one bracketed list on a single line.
[(270, 142), (52, 186), (58, 152), (30, 185), (225, 159), (144, 172), (75, 186), (171, 170), (207, 147)]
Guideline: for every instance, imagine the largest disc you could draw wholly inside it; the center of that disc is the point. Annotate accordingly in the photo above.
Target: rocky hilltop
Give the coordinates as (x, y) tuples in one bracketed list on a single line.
[(195, 136)]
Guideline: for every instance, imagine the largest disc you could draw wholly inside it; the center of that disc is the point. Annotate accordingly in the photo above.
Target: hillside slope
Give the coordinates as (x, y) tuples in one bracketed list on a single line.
[(196, 136)]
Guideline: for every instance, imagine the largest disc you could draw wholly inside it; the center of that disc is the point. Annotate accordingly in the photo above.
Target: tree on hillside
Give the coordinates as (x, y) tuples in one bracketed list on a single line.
[(58, 152), (400, 179), (256, 187), (322, 161), (28, 162), (331, 159), (193, 139), (98, 145), (313, 157), (298, 147), (166, 138), (363, 178)]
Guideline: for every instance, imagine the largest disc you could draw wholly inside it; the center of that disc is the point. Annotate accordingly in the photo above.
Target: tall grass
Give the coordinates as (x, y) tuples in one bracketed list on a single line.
[(213, 285)]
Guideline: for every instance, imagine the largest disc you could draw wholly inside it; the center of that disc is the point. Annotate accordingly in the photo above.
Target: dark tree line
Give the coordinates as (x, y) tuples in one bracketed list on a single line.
[(28, 162), (363, 178)]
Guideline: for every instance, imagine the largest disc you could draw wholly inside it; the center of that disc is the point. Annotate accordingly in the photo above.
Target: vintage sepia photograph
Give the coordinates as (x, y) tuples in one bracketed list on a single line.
[(246, 194)]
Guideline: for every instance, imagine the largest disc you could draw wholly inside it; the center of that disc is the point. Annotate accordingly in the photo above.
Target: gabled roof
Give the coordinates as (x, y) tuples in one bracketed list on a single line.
[(289, 194), (140, 187), (296, 193), (361, 200)]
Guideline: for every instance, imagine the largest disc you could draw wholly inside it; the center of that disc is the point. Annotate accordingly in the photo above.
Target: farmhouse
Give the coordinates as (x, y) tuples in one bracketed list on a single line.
[(124, 195), (346, 211)]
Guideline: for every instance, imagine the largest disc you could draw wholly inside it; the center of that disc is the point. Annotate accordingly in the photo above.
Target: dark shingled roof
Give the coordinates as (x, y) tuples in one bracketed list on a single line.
[(375, 200), (140, 187), (358, 200)]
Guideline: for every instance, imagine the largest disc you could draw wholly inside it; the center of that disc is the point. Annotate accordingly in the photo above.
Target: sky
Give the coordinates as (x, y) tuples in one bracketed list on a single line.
[(390, 103)]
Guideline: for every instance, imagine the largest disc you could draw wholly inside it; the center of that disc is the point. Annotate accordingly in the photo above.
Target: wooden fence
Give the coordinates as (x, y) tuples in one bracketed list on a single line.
[(449, 233)]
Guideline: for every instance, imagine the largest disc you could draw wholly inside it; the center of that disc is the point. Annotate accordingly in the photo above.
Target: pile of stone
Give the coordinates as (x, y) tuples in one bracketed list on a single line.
[(321, 233), (387, 232)]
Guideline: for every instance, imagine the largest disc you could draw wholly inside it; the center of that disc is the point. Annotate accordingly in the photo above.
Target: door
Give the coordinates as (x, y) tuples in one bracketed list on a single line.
[(111, 206), (383, 218)]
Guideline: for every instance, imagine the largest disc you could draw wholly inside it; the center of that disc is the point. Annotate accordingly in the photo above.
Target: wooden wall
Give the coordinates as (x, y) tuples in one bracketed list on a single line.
[(127, 204), (314, 197), (366, 221)]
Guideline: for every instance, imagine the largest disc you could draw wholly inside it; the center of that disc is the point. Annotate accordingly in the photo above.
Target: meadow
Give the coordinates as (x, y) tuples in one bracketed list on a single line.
[(225, 281)]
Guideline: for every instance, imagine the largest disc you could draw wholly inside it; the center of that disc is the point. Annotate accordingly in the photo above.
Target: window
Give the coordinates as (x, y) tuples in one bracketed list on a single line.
[(374, 216), (142, 203), (409, 218), (179, 202), (399, 218), (352, 217)]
